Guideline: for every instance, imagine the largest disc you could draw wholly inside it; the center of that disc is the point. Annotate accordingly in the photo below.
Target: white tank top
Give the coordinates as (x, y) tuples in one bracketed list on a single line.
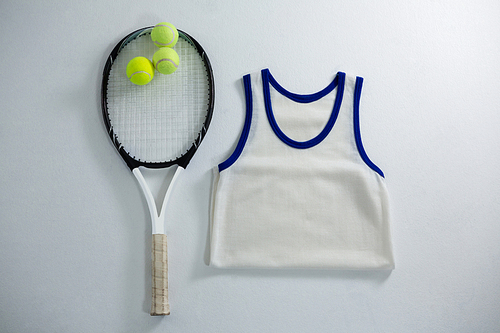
[(299, 190)]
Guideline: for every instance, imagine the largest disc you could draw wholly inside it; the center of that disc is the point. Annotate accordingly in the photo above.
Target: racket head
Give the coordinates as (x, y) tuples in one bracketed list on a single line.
[(164, 122)]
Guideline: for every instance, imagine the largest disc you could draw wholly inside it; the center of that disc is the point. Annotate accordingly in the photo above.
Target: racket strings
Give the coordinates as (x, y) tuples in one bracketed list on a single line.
[(160, 121)]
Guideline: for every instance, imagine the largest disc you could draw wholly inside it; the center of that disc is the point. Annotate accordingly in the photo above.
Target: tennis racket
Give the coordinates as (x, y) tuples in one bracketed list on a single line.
[(158, 125)]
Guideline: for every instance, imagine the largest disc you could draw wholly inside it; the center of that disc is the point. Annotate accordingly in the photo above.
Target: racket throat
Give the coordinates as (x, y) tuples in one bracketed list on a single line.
[(157, 211)]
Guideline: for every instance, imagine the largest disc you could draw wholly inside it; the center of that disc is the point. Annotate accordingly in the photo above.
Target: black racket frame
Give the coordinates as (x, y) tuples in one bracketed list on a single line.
[(131, 161)]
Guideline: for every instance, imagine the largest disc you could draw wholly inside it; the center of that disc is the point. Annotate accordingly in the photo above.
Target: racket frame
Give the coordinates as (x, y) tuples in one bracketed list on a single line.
[(185, 158), (159, 299)]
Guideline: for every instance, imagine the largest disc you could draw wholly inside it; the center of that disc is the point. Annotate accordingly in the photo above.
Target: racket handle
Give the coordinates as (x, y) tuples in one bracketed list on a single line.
[(159, 298)]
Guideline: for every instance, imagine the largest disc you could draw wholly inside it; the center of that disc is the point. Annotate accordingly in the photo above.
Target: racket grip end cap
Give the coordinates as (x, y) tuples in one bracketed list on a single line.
[(159, 261)]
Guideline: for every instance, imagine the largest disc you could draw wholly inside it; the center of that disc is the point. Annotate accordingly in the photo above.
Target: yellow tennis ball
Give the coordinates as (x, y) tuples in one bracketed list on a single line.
[(140, 70), (164, 34), (166, 60)]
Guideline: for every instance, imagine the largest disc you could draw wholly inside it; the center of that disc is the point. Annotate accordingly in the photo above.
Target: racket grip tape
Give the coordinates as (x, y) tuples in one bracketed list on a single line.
[(159, 267)]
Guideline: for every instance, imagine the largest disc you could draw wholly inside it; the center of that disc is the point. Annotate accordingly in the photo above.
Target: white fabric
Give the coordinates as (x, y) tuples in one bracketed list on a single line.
[(283, 207)]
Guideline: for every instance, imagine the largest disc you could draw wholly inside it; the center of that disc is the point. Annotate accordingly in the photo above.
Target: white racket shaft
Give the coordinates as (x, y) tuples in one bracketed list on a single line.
[(159, 257)]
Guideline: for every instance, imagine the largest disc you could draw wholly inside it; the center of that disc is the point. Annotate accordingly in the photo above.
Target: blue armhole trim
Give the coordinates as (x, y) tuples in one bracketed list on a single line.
[(357, 132), (246, 128)]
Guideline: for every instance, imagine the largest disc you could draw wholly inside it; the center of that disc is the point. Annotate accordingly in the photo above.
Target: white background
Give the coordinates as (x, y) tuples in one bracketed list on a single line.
[(74, 227)]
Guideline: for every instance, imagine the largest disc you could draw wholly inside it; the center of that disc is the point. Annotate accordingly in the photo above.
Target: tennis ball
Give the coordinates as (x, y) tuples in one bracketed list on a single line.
[(166, 60), (164, 34), (140, 70)]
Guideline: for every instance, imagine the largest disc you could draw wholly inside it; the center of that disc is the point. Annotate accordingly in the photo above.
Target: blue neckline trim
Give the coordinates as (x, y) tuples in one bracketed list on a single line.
[(246, 128), (357, 131), (268, 79)]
